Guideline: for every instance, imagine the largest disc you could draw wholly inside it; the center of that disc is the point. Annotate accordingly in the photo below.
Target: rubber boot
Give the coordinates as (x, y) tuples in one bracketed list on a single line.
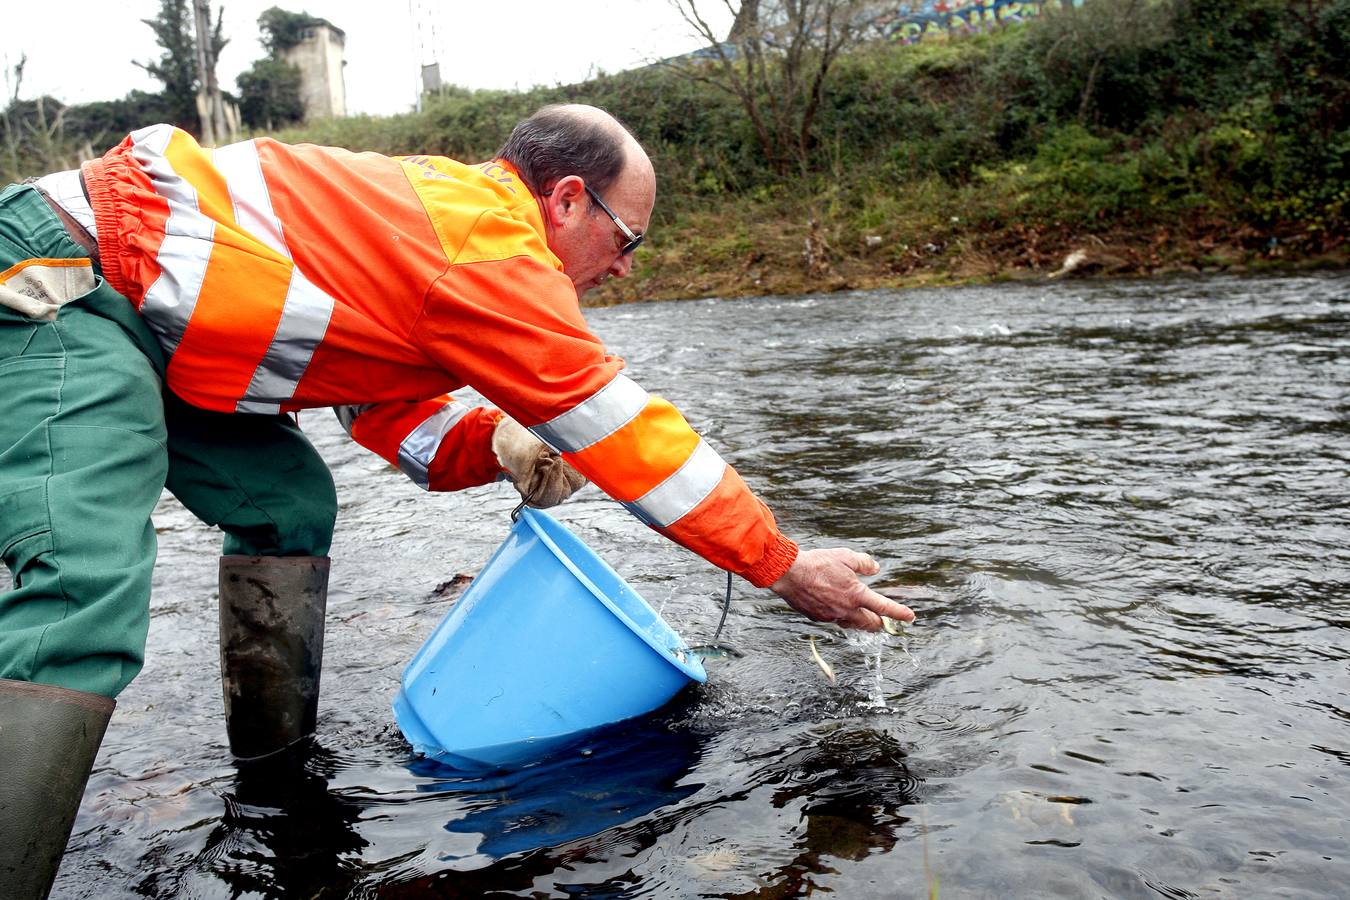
[(48, 739), (271, 649)]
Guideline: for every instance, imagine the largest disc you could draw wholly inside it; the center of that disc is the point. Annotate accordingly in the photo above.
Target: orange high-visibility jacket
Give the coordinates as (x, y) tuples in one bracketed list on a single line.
[(281, 277)]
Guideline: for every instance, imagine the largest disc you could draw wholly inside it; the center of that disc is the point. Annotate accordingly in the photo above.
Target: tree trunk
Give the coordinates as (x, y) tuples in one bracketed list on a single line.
[(210, 103)]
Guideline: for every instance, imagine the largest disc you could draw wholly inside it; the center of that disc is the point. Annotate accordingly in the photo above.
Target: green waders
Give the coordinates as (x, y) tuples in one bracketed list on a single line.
[(260, 480), (87, 442)]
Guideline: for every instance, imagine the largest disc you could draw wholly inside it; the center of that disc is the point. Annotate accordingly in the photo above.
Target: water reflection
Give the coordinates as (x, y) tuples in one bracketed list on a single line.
[(631, 808), (283, 832), (856, 787), (618, 775)]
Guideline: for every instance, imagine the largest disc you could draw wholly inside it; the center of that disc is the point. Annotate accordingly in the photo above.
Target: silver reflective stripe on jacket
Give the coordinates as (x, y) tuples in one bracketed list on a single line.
[(347, 415), (183, 255), (611, 408), (242, 169), (304, 320), (418, 449), (307, 310), (674, 498), (595, 418)]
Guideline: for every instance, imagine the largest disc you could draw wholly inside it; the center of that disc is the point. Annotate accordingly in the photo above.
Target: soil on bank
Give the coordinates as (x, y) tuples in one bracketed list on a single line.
[(800, 258)]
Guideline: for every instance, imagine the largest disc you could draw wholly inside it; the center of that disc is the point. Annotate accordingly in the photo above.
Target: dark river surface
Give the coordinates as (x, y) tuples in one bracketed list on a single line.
[(1130, 498)]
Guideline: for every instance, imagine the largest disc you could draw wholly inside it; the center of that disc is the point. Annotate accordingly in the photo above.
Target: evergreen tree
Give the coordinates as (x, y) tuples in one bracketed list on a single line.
[(176, 68), (269, 92)]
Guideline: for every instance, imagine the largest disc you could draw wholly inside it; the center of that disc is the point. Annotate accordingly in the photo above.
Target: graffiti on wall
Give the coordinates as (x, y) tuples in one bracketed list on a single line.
[(909, 23)]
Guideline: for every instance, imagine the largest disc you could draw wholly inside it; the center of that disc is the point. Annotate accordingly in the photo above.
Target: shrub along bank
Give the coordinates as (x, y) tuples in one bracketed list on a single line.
[(1191, 134)]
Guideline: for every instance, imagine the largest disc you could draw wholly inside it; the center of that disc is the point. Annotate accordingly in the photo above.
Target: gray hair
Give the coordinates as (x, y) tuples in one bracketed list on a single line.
[(558, 141)]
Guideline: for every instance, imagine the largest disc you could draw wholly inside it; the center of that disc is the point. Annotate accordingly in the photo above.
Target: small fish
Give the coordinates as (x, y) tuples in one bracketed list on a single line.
[(715, 651), (820, 660), (892, 626)]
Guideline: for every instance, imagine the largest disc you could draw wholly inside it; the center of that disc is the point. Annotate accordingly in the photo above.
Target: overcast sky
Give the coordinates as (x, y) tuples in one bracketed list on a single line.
[(81, 50)]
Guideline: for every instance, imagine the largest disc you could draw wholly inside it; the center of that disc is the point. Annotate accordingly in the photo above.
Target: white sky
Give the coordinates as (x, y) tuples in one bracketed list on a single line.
[(82, 50)]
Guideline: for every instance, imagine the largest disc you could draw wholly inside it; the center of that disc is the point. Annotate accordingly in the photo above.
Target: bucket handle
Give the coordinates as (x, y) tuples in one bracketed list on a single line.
[(726, 605), (713, 647), (524, 500)]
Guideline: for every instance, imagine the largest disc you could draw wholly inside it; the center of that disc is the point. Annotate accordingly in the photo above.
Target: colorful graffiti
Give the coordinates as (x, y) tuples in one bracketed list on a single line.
[(909, 23)]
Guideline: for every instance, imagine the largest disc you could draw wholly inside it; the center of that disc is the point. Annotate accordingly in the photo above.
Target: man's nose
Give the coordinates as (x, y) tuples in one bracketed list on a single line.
[(622, 266)]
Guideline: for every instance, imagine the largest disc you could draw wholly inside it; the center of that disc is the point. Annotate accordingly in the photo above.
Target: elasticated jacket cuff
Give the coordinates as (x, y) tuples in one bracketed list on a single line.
[(105, 225), (777, 559)]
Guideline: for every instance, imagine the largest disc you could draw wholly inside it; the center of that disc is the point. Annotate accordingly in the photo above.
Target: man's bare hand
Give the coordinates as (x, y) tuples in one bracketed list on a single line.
[(823, 585)]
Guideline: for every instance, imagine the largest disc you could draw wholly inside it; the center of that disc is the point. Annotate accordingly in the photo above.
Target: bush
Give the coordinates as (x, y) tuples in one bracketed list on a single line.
[(1138, 110)]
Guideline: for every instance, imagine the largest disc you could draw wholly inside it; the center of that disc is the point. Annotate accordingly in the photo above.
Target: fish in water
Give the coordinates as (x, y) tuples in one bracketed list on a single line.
[(715, 651), (820, 660), (903, 593), (906, 594), (706, 652)]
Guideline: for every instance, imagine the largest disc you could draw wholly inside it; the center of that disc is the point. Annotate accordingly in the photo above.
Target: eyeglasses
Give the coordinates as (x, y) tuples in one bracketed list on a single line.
[(634, 240)]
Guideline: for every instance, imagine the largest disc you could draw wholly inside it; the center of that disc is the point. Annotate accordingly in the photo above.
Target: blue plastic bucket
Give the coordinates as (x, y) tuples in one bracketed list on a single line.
[(547, 642)]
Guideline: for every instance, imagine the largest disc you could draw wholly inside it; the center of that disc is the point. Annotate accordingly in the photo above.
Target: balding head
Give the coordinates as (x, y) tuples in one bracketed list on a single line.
[(573, 139), (568, 156)]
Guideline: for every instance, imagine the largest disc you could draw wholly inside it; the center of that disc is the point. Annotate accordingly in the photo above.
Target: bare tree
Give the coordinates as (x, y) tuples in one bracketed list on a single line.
[(774, 61), (1086, 36), (35, 135), (211, 107), (47, 136)]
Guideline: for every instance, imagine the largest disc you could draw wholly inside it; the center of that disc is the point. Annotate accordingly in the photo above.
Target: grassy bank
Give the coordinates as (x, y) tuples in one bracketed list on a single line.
[(1134, 136), (744, 247)]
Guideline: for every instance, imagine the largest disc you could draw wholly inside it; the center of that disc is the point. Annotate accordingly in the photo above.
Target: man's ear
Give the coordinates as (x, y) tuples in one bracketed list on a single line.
[(564, 202)]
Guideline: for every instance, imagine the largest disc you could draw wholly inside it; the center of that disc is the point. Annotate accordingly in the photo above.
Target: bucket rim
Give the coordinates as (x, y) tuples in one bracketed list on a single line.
[(529, 516)]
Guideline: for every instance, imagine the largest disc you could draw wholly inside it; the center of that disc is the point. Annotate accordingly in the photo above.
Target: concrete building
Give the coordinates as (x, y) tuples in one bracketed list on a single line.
[(318, 56)]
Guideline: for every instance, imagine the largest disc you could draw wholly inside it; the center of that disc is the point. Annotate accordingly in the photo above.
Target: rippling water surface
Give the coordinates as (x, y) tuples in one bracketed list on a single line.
[(1130, 498)]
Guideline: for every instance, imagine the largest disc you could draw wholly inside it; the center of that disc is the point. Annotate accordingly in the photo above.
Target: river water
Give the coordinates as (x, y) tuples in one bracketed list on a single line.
[(1129, 498)]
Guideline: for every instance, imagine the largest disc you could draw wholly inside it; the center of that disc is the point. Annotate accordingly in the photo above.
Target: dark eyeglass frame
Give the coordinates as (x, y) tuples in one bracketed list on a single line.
[(634, 240)]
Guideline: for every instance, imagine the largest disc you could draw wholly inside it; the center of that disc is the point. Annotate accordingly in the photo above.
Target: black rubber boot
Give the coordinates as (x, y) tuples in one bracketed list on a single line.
[(271, 649), (48, 739)]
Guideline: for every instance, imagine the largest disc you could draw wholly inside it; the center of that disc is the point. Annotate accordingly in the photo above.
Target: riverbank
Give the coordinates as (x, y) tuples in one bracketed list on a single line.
[(711, 255), (1112, 139)]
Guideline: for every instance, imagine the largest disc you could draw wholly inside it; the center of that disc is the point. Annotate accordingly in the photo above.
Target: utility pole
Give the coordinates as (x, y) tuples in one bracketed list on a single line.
[(210, 104), (11, 106), (424, 15)]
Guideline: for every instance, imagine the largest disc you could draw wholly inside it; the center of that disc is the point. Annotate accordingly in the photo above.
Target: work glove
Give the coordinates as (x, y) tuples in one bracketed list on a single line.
[(543, 477)]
